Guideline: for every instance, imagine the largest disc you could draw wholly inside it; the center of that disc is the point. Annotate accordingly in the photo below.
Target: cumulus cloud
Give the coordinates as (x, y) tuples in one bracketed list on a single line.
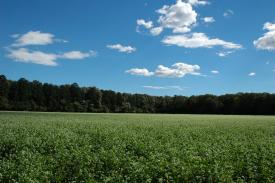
[(121, 48), (33, 38), (163, 87), (78, 55), (147, 25), (267, 41), (228, 13), (269, 26), (36, 57), (197, 40), (25, 55), (156, 31), (177, 70), (140, 72), (49, 59), (208, 19), (179, 17), (252, 74), (215, 72)]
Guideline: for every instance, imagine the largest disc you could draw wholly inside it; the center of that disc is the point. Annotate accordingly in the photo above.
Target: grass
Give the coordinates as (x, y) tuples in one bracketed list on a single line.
[(68, 147)]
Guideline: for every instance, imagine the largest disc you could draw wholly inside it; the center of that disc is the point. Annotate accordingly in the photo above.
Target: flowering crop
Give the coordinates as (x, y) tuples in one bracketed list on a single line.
[(68, 147)]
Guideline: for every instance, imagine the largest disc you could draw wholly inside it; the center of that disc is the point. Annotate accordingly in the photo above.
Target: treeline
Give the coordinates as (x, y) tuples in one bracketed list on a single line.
[(23, 95)]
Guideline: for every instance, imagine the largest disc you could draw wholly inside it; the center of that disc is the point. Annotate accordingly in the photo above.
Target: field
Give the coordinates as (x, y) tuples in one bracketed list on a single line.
[(67, 147)]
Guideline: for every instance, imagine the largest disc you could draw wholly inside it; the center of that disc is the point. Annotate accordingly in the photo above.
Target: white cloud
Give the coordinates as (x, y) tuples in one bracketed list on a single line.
[(156, 31), (33, 38), (163, 87), (208, 19), (197, 40), (77, 55), (147, 25), (177, 70), (267, 41), (36, 57), (215, 72), (252, 74), (179, 17), (139, 72), (198, 2), (228, 13), (224, 53), (121, 48), (269, 26)]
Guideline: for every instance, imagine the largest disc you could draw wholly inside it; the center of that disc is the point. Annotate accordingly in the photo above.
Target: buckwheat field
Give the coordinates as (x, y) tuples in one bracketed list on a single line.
[(70, 147)]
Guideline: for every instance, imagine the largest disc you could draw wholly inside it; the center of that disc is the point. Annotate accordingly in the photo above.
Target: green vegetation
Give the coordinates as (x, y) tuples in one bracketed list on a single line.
[(62, 147), (24, 95)]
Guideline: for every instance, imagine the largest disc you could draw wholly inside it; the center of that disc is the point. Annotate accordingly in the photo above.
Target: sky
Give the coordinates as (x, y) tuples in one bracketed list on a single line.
[(157, 47)]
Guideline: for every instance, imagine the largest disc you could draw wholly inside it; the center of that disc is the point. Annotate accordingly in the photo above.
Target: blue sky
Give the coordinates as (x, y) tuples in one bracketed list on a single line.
[(163, 47)]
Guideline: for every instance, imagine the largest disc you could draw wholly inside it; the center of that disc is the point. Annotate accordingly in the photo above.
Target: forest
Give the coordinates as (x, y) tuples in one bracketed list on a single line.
[(24, 95)]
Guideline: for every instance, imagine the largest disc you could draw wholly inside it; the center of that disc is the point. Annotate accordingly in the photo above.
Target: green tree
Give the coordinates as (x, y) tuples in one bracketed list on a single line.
[(4, 92)]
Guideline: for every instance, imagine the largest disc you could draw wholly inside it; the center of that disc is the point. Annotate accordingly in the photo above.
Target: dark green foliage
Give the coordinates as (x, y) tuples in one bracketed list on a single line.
[(35, 96), (4, 92), (64, 147)]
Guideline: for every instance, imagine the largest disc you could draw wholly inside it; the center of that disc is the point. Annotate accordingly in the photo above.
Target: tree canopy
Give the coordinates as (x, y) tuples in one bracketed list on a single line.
[(36, 96)]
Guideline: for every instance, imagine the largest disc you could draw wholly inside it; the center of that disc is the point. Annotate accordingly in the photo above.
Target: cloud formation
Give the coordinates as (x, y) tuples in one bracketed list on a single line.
[(121, 48), (179, 17), (267, 41), (156, 31), (36, 57), (198, 2), (140, 72), (208, 19), (215, 72), (163, 87), (33, 38), (147, 25), (198, 40), (76, 55), (228, 13), (39, 38), (177, 70), (252, 74), (25, 55), (224, 53)]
